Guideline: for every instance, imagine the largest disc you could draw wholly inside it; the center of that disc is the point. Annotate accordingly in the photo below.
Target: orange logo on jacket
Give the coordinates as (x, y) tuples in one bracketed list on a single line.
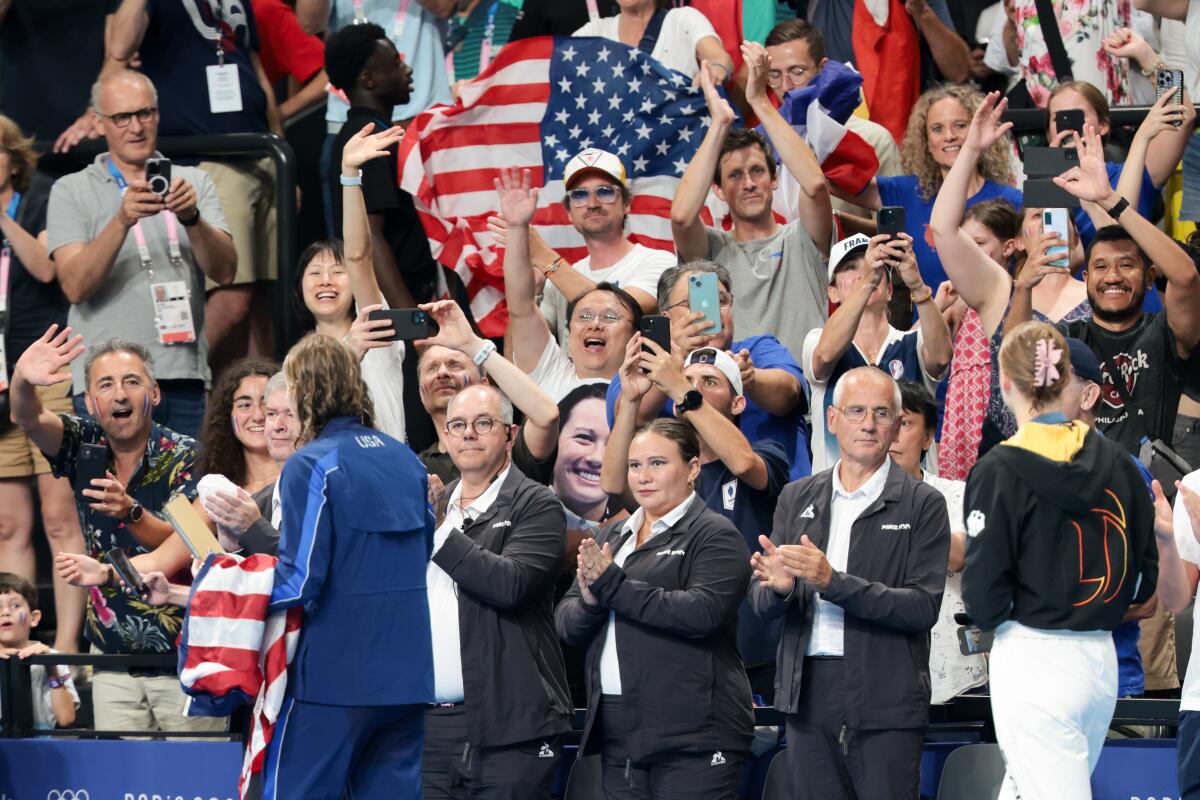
[(1115, 546)]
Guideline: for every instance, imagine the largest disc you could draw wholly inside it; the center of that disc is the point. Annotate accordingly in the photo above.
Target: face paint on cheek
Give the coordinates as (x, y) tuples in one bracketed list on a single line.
[(146, 406), (466, 381), (21, 617), (233, 419)]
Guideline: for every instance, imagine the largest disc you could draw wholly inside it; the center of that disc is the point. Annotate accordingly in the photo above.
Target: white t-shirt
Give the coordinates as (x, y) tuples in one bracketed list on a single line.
[(383, 373), (824, 446), (676, 46), (950, 671), (1189, 550), (639, 269), (1192, 41), (443, 596), (555, 372), (43, 702)]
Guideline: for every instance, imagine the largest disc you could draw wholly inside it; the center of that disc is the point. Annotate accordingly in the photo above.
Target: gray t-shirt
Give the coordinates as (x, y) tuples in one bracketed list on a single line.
[(81, 205), (779, 283)]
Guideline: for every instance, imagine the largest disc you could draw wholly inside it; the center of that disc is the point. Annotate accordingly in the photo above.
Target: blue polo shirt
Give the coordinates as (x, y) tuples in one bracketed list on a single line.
[(753, 512), (904, 191), (790, 430)]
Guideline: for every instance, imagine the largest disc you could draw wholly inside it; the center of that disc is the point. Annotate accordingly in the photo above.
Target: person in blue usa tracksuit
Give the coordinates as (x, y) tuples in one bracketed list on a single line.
[(354, 543)]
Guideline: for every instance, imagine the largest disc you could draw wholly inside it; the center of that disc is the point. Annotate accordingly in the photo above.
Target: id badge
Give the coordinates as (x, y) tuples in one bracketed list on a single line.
[(224, 90), (172, 313)]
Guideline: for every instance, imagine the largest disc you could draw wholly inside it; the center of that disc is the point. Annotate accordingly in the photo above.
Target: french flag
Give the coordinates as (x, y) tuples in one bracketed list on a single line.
[(888, 52), (819, 112)]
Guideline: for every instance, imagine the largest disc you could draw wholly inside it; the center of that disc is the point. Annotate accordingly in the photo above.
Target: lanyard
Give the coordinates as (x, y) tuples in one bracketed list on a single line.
[(593, 11), (6, 256), (215, 7), (360, 17), (139, 236)]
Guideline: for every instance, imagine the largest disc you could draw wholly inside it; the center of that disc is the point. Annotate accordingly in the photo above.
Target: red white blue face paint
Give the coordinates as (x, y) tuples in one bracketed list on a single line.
[(233, 420), (146, 406), (21, 617), (466, 380)]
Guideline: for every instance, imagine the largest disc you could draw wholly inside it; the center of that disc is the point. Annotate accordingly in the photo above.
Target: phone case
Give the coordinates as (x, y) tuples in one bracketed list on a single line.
[(407, 323), (92, 462), (1055, 219), (657, 328), (891, 220), (703, 296)]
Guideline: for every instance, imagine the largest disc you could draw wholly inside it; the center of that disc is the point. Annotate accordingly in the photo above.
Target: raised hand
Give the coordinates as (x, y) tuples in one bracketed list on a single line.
[(665, 370), (746, 367), (365, 146), (906, 266), (1164, 115), (453, 329), (694, 332), (883, 251), (518, 200), (1124, 43), (769, 568), (109, 497), (86, 127), (369, 334), (634, 383), (986, 127), (44, 363), (233, 512), (1089, 180), (181, 199), (758, 62), (80, 570), (718, 107)]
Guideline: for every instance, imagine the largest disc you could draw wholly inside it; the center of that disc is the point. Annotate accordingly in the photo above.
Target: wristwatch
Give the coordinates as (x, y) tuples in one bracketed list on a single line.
[(691, 401), (135, 513), (188, 223), (1118, 209)]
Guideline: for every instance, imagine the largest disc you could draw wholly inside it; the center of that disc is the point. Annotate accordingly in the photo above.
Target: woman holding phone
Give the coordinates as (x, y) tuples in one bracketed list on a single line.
[(655, 603)]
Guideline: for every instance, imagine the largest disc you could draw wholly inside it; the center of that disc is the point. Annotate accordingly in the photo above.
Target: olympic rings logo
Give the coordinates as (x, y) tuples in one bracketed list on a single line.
[(68, 794)]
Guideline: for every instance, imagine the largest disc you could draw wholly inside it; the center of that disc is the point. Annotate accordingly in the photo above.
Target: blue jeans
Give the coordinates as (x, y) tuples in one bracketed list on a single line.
[(181, 408)]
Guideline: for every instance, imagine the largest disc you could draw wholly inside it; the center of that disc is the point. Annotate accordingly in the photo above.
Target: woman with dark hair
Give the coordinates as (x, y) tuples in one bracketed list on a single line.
[(1059, 544), (937, 130), (34, 303), (655, 603)]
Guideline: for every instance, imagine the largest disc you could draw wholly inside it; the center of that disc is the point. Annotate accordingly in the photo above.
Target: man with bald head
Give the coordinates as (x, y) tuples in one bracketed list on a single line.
[(131, 253), (500, 687), (857, 565)]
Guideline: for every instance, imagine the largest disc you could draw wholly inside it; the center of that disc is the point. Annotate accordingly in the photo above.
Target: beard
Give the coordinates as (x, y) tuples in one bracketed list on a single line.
[(1117, 317)]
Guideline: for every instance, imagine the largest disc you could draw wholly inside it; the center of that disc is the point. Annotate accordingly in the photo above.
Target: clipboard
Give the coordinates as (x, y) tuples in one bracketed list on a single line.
[(188, 523)]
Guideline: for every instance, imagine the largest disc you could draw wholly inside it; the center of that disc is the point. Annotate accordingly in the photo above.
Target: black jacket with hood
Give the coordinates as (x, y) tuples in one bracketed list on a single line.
[(1060, 532)]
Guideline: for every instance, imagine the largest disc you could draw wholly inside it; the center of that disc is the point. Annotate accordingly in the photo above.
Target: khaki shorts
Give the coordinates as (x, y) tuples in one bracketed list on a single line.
[(19, 457), (121, 702), (246, 189)]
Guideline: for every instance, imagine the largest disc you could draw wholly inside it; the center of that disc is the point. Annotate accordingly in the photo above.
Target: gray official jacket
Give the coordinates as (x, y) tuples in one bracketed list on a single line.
[(890, 592), (261, 537)]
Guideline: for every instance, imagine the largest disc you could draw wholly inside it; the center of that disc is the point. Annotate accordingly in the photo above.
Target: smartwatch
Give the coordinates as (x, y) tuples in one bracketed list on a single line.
[(136, 513), (691, 401)]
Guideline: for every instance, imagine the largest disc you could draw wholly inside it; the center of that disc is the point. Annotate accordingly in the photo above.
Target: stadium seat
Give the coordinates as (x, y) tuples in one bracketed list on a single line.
[(584, 783), (972, 772), (778, 785)]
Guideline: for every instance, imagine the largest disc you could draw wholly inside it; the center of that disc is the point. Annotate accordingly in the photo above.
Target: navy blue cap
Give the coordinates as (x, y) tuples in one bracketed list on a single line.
[(1084, 361)]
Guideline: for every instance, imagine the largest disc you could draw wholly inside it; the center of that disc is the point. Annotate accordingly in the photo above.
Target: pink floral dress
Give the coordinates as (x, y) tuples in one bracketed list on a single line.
[(966, 399), (1083, 25)]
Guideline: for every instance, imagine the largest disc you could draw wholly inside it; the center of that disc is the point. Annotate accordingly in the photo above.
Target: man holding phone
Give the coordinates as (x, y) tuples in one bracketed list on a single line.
[(145, 465), (132, 262)]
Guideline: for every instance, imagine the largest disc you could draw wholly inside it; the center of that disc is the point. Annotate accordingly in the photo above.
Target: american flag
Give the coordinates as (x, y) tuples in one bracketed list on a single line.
[(539, 103), (232, 652)]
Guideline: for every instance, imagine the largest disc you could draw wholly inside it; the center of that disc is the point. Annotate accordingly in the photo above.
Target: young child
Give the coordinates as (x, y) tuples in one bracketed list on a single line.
[(54, 699)]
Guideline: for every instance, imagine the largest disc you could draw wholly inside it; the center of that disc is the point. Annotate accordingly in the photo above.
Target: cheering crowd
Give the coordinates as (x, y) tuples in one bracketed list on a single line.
[(794, 451)]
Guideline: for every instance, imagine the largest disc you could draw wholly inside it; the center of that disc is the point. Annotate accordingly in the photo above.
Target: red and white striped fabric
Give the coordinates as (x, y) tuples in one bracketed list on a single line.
[(451, 155), (232, 651)]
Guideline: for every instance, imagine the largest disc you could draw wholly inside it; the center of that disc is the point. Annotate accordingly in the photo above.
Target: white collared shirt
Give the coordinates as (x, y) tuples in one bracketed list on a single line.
[(610, 669), (826, 636), (276, 509), (443, 595)]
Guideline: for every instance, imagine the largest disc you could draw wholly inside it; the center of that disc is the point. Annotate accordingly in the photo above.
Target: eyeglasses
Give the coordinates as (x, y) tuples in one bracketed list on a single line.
[(796, 73), (482, 426), (123, 118), (605, 194), (723, 300), (607, 319), (882, 414)]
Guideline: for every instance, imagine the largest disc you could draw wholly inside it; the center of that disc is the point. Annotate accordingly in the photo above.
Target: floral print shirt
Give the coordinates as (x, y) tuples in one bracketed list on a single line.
[(116, 622), (1083, 25)]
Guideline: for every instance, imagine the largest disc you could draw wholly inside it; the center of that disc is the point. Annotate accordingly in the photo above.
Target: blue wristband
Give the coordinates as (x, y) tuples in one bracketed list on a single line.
[(351, 181)]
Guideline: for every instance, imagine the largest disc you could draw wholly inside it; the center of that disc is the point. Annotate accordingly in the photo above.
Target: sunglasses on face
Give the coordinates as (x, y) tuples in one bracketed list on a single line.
[(605, 194)]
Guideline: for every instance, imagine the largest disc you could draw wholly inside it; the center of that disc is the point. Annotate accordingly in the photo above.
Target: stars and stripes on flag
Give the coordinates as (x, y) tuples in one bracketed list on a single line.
[(540, 102), (233, 652), (819, 112)]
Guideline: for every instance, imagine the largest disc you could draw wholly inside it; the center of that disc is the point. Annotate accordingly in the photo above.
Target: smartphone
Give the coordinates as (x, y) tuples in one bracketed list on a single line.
[(407, 323), (158, 175), (1045, 193), (891, 220), (703, 295), (92, 462), (1055, 220), (1069, 119), (972, 641), (1042, 162), (127, 572), (1169, 81), (657, 328)]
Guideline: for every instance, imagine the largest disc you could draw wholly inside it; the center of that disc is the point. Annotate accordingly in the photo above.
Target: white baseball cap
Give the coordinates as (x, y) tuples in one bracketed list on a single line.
[(722, 361), (844, 249), (594, 160)]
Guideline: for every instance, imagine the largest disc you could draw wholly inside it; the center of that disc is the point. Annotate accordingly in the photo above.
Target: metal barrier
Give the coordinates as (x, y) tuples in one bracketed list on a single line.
[(216, 148)]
